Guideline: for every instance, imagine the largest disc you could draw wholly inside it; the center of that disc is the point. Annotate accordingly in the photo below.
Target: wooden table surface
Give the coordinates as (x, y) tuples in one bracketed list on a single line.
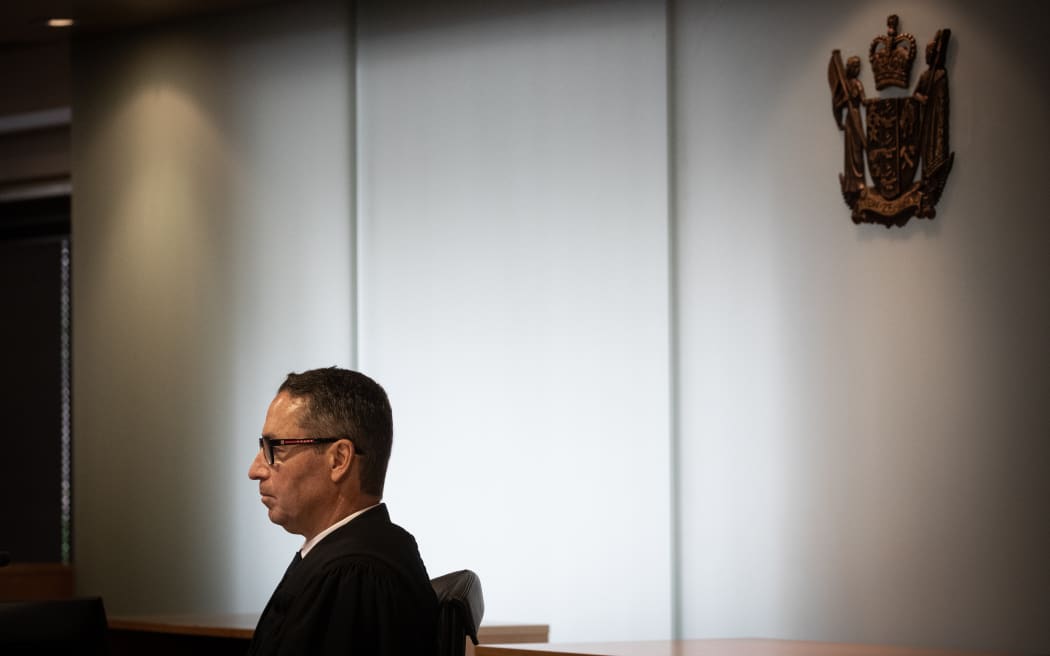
[(242, 625), (215, 625), (729, 647)]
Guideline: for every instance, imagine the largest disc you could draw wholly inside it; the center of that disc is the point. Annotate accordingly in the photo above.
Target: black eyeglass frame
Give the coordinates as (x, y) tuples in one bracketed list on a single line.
[(268, 443)]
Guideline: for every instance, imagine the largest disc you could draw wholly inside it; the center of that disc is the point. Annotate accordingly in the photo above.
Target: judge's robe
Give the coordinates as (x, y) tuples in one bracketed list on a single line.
[(362, 590)]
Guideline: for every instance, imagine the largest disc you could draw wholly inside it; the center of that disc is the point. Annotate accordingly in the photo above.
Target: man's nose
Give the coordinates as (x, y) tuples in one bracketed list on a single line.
[(258, 469)]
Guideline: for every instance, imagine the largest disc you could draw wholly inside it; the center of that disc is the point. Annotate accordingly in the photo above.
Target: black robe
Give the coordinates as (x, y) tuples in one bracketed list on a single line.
[(362, 590)]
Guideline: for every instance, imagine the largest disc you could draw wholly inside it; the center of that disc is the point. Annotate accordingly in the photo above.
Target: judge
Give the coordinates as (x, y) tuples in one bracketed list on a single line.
[(358, 585)]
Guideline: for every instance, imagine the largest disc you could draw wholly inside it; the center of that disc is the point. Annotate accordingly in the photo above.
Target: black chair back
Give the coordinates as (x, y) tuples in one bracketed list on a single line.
[(53, 628), (460, 609)]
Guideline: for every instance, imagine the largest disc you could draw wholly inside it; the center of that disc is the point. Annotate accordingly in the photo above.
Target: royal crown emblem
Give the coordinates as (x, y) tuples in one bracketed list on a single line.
[(891, 56), (896, 137)]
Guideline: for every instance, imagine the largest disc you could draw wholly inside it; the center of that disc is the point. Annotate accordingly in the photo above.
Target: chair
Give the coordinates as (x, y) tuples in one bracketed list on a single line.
[(68, 626), (460, 608)]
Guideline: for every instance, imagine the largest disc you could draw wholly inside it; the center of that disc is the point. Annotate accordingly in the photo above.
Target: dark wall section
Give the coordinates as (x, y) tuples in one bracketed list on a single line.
[(30, 398)]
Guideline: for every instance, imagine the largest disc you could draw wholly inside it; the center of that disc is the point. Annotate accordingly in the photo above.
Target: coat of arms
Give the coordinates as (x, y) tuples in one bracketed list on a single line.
[(904, 135)]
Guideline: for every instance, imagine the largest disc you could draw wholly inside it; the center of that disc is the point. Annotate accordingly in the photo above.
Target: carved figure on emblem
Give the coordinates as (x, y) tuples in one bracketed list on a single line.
[(898, 136)]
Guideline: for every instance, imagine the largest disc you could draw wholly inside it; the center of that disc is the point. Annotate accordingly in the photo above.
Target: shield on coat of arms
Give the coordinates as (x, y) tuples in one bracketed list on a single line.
[(893, 144)]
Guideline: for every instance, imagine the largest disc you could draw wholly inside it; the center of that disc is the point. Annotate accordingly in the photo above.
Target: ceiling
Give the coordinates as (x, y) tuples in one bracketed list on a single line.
[(23, 22)]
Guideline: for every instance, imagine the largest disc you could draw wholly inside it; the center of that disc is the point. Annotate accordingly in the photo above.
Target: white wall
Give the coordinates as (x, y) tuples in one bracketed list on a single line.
[(858, 419), (513, 298), (212, 255), (863, 411)]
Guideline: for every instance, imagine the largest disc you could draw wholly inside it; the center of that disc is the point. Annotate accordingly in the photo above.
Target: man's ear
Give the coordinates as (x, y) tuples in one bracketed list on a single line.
[(340, 460)]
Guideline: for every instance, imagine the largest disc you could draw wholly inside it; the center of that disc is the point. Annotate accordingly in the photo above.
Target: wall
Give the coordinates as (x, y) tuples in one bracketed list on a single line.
[(212, 251), (31, 284), (34, 120), (649, 379), (513, 295), (36, 77), (863, 425)]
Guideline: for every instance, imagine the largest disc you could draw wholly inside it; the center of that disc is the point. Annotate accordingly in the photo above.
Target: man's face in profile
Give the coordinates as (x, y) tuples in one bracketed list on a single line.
[(292, 488)]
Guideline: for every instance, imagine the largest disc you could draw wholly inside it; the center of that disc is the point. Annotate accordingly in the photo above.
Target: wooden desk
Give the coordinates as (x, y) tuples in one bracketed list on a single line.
[(218, 625), (171, 635), (221, 634), (36, 582), (741, 647)]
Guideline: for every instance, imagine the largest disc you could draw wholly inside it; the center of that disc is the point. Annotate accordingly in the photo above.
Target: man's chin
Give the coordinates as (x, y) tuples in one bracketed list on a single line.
[(276, 517), (283, 521)]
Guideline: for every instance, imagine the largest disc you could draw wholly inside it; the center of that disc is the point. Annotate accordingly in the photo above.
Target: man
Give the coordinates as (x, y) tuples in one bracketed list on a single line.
[(357, 585)]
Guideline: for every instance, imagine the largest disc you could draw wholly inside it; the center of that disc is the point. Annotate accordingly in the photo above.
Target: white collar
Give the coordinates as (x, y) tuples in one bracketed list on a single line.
[(311, 543)]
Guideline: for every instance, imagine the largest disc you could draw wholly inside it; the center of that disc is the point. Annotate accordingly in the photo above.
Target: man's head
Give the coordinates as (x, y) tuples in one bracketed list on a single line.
[(343, 403), (306, 484)]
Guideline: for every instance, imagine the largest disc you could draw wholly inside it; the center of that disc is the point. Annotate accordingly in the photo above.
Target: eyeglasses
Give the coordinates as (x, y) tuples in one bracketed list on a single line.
[(268, 443)]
